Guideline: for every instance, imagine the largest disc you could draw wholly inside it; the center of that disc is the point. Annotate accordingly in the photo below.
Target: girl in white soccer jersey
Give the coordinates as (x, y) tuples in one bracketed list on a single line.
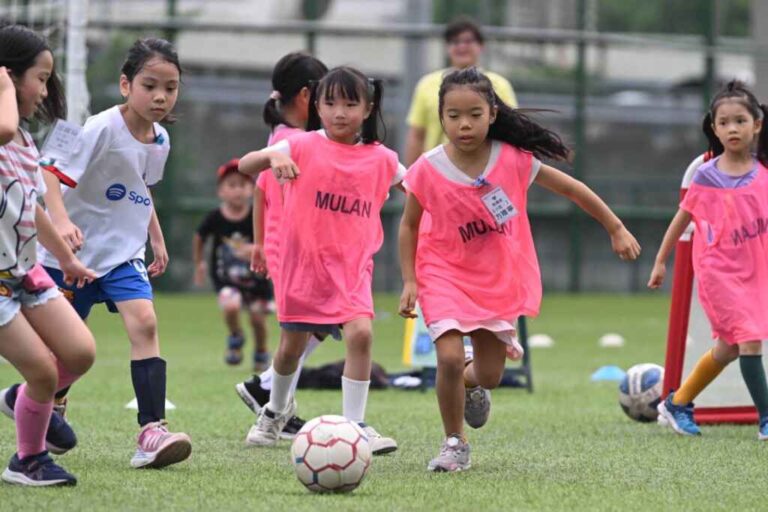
[(40, 335), (106, 213)]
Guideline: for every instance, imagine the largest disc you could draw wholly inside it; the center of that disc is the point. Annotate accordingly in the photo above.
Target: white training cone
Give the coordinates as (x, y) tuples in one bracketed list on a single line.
[(541, 341), (133, 404), (611, 340)]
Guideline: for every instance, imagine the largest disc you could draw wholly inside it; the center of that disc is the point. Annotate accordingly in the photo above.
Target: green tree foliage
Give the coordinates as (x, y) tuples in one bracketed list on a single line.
[(672, 16), (487, 12)]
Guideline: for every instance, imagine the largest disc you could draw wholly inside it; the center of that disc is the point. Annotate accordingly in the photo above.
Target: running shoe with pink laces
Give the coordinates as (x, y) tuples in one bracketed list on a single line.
[(158, 448)]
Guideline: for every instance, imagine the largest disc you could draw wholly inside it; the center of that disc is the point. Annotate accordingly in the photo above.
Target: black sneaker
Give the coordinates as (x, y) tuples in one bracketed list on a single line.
[(36, 471), (252, 394), (292, 428), (59, 439), (255, 397)]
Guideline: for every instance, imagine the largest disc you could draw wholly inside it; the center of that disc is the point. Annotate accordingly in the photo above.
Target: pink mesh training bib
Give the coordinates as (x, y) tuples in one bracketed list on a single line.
[(273, 204), (331, 228), (468, 267), (730, 257)]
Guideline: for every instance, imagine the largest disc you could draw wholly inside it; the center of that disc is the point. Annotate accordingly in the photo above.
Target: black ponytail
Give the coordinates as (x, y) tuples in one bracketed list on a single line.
[(736, 90), (762, 138), (512, 126), (715, 147), (291, 74), (353, 85)]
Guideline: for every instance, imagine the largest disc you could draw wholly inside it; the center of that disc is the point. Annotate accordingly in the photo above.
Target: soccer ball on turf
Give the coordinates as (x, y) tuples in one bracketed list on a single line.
[(640, 391), (331, 454)]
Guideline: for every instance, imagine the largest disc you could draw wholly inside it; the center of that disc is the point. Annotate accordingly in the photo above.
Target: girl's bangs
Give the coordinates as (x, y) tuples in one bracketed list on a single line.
[(343, 84)]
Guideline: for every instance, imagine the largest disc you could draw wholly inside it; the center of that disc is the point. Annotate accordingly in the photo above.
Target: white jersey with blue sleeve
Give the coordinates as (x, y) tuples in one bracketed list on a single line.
[(111, 203)]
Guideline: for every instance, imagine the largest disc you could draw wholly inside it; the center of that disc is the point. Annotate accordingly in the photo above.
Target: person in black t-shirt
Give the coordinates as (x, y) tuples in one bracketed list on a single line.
[(230, 227)]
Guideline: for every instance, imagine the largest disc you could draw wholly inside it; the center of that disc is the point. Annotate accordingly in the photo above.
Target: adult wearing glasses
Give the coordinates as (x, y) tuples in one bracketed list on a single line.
[(464, 45)]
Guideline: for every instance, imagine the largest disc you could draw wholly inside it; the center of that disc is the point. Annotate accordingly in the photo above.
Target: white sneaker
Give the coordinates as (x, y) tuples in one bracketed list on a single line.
[(379, 444), (269, 424)]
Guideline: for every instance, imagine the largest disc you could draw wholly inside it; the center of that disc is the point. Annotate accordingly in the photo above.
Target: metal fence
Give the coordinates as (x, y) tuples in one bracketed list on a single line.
[(633, 135)]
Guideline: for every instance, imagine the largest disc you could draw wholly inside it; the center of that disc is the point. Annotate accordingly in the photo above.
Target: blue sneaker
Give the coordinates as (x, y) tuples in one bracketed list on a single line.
[(235, 344), (679, 417), (762, 434), (36, 471), (59, 439)]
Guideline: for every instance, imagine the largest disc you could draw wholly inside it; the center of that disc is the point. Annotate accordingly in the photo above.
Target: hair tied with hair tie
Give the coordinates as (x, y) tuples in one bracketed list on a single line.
[(275, 95)]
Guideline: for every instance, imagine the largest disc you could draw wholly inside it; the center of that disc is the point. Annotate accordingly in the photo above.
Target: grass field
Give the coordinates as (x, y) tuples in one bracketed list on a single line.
[(568, 446)]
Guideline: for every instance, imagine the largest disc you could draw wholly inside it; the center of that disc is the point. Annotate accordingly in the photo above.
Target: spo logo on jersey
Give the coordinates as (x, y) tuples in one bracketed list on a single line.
[(117, 191)]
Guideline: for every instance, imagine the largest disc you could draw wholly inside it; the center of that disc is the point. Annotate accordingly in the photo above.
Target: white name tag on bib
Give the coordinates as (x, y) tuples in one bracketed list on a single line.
[(60, 141), (499, 205)]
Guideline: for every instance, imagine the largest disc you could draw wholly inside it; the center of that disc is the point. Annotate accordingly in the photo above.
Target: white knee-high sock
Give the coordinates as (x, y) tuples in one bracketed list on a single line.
[(354, 395), (281, 392)]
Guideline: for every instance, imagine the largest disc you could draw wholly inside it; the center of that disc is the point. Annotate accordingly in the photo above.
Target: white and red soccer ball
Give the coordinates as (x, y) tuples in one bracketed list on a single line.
[(331, 454)]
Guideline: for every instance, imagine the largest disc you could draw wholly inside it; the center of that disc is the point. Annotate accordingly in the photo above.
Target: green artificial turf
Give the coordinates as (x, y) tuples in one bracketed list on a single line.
[(567, 446)]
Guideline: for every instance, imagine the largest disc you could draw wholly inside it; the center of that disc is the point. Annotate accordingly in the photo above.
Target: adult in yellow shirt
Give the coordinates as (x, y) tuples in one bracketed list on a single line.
[(464, 45)]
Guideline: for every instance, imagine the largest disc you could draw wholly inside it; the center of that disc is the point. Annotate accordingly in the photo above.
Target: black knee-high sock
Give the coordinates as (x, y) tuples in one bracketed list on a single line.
[(62, 392), (148, 376), (754, 377)]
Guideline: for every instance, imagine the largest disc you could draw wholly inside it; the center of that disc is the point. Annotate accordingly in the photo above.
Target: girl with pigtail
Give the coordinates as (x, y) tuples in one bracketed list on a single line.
[(336, 179), (728, 203), (286, 113), (473, 266)]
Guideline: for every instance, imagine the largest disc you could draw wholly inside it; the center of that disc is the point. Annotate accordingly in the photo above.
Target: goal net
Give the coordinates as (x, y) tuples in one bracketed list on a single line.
[(726, 400), (63, 23)]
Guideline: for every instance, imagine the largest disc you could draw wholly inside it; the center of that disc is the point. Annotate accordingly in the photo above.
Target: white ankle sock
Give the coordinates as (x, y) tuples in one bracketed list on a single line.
[(281, 392), (354, 395)]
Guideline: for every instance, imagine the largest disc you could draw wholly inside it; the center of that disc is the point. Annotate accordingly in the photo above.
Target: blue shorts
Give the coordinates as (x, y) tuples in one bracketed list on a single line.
[(129, 281)]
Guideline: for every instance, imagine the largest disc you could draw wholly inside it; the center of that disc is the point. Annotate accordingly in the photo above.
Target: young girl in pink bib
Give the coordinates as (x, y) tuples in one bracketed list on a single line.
[(336, 182), (286, 112), (473, 267), (728, 202)]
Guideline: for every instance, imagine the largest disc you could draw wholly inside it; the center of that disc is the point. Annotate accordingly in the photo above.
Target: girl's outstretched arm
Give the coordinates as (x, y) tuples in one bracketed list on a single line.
[(676, 228), (409, 239), (622, 241), (257, 161)]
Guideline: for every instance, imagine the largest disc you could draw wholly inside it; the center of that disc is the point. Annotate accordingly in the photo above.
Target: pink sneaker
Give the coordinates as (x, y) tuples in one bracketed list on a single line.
[(158, 448)]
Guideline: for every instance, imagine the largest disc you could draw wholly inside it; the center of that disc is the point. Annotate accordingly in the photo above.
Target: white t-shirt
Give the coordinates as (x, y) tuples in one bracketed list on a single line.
[(111, 203), (284, 147), (21, 183)]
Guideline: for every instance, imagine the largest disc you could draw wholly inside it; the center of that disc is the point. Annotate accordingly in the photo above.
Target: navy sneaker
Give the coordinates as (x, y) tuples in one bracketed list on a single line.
[(679, 417), (762, 434), (59, 439), (235, 344), (36, 471), (261, 361)]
